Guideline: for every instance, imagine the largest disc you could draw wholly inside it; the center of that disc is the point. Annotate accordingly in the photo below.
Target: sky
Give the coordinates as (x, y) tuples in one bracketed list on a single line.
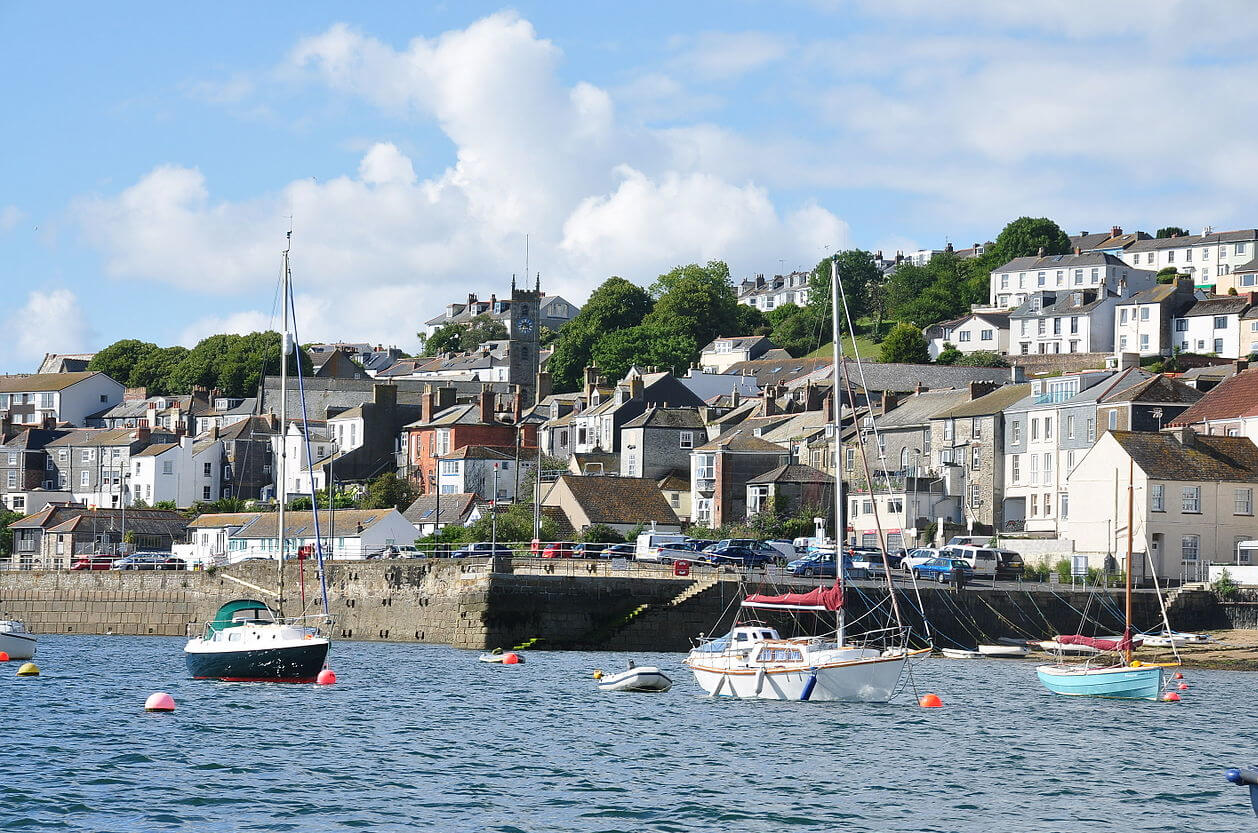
[(154, 155)]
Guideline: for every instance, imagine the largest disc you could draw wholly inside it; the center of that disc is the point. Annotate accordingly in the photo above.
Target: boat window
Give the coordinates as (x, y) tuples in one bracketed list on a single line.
[(766, 634), (234, 636), (742, 637), (781, 655)]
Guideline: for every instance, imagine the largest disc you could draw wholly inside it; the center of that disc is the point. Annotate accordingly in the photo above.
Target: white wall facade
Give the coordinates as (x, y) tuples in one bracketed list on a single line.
[(972, 335), (1219, 334)]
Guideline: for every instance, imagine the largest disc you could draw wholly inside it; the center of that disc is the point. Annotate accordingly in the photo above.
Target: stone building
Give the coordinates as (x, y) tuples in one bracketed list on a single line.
[(658, 442)]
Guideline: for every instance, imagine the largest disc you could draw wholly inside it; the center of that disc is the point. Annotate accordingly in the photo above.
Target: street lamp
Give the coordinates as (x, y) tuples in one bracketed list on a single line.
[(911, 506)]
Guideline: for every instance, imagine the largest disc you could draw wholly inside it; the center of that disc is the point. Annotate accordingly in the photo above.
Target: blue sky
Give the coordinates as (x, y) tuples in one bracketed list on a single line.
[(154, 152)]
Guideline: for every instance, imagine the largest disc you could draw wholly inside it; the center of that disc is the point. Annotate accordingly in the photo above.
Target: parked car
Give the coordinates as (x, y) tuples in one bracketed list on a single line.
[(559, 549), (149, 561), (394, 551), (1009, 565), (969, 541), (981, 559), (481, 549), (940, 569), (700, 544), (766, 549), (586, 549), (918, 556), (93, 562), (819, 563), (619, 551), (738, 557), (648, 544)]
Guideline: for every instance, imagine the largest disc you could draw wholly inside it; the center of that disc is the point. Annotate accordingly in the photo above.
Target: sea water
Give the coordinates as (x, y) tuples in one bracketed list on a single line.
[(416, 737)]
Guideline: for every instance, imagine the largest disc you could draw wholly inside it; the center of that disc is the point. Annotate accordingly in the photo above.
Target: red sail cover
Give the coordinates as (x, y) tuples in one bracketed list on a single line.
[(823, 598), (1100, 644)]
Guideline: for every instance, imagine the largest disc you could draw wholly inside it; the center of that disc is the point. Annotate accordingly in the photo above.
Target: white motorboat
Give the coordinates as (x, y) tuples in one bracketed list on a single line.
[(634, 678), (960, 653), (1175, 639), (1004, 651), (15, 640)]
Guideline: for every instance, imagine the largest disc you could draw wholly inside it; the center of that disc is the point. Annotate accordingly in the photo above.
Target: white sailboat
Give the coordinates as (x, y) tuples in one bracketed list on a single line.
[(753, 660), (15, 640), (247, 640)]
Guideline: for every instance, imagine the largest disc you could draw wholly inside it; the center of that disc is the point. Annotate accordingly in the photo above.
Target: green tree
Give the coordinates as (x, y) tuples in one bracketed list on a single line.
[(1024, 237), (858, 274), (480, 329), (798, 330), (905, 344), (119, 360), (601, 534), (6, 535), (156, 371), (1167, 275), (1170, 231), (165, 504), (515, 523), (388, 491), (644, 345), (949, 355), (444, 339), (615, 305), (699, 301), (982, 358)]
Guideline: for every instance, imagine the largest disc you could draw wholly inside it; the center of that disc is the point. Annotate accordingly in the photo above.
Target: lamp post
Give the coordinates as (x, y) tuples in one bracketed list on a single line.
[(910, 508), (493, 518)]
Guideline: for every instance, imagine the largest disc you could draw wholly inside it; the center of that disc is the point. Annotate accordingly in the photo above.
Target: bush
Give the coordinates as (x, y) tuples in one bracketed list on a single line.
[(1224, 586), (601, 534), (1062, 569)]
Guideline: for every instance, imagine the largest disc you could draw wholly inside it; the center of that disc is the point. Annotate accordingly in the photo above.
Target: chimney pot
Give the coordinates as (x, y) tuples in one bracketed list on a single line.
[(1041, 251), (1115, 231), (1078, 251)]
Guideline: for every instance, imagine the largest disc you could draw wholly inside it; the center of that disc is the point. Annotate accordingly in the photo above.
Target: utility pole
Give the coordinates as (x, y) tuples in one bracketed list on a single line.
[(493, 519)]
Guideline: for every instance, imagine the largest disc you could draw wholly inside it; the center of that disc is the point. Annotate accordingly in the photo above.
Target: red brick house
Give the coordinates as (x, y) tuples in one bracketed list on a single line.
[(445, 426)]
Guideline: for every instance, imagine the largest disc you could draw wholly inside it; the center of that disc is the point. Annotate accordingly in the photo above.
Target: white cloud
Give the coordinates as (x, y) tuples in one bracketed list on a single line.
[(729, 55), (51, 321), (377, 252), (10, 216)]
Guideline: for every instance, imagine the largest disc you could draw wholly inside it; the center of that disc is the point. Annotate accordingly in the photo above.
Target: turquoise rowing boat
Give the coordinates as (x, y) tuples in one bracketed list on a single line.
[(1124, 682)]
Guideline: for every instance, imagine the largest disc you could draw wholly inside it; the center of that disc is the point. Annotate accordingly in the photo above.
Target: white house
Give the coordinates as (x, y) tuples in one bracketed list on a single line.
[(1210, 257), (59, 397), (971, 333), (345, 533), (185, 472), (1193, 500), (1213, 325), (470, 470), (297, 464), (723, 353), (1012, 284), (1144, 320), (1073, 321), (779, 291)]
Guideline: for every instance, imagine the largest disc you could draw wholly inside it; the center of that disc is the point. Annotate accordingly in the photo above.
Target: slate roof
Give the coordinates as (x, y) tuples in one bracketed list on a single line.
[(1063, 301), (1205, 458), (1028, 264), (1233, 398), (999, 320), (454, 509), (903, 378), (1251, 266), (155, 449), (674, 482), (44, 381), (793, 473), (479, 452), (1152, 295), (742, 439), (1088, 241), (776, 371), (101, 437), (992, 403), (246, 428), (920, 407), (1159, 243), (141, 521), (620, 500), (685, 418), (1160, 388), (736, 342), (296, 523), (1224, 305)]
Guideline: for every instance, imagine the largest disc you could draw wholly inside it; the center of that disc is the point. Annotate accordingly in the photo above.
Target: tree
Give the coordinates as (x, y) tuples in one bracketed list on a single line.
[(515, 523), (481, 329), (1170, 231), (6, 535), (119, 360), (601, 534), (155, 372), (615, 305), (858, 274), (444, 339), (700, 302), (645, 345), (982, 358), (1167, 275), (949, 355), (388, 491), (905, 344), (798, 330), (1024, 237)]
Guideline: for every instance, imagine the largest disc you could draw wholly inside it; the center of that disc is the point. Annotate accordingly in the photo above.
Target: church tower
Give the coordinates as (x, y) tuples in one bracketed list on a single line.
[(525, 312)]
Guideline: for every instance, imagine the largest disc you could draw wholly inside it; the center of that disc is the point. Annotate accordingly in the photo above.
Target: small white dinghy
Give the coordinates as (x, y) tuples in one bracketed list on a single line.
[(959, 653), (1003, 651), (15, 640), (1055, 647), (501, 657), (1174, 639), (634, 678)]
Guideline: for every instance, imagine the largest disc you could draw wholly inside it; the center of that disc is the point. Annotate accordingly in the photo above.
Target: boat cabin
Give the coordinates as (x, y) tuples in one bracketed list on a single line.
[(242, 612), (744, 635)]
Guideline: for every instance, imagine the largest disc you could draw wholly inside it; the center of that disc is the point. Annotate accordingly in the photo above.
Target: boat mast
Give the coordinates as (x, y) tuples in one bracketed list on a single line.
[(285, 347), (837, 408), (1131, 499)]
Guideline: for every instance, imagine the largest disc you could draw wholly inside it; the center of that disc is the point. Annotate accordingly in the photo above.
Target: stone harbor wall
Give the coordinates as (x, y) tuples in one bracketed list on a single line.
[(564, 605)]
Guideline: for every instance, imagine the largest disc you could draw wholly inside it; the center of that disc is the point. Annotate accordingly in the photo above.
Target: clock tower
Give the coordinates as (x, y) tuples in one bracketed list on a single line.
[(525, 311)]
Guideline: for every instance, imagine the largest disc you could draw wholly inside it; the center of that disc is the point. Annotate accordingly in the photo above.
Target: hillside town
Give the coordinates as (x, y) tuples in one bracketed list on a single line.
[(1124, 351)]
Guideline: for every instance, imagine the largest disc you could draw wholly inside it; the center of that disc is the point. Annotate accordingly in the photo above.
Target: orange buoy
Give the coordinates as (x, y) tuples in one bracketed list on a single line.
[(1170, 697), (1183, 686), (159, 701), (4, 656), (326, 677), (930, 701), (511, 658)]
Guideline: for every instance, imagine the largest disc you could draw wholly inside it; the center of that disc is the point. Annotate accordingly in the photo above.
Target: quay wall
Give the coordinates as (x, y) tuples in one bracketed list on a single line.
[(473, 604)]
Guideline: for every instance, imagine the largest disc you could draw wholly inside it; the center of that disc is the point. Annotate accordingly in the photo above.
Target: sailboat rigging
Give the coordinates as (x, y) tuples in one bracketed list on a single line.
[(754, 661), (248, 640), (1099, 675)]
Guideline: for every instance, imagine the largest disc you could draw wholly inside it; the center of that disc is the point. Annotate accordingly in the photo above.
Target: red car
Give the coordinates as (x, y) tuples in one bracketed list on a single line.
[(559, 549), (93, 562)]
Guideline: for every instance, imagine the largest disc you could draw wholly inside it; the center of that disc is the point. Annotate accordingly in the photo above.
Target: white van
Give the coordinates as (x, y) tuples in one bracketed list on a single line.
[(647, 547), (983, 560)]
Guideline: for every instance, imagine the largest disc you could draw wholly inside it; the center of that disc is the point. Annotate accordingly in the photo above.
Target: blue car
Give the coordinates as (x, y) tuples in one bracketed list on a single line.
[(940, 569), (821, 564)]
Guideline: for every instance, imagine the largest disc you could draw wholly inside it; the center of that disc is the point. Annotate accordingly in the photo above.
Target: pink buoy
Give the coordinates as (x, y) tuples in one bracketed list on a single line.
[(326, 677), (159, 701), (511, 658), (1179, 675), (1170, 697), (1183, 686)]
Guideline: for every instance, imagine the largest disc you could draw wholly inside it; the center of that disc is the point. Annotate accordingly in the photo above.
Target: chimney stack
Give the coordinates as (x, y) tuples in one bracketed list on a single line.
[(517, 404), (1185, 435), (486, 404), (214, 431), (1041, 251), (1115, 231), (426, 403), (1078, 251), (889, 400)]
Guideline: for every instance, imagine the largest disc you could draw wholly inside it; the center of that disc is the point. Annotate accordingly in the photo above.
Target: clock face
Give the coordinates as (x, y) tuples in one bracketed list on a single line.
[(526, 325)]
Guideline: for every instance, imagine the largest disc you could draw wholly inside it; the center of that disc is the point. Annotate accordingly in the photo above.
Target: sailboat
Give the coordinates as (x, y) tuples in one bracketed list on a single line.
[(15, 640), (247, 640), (1111, 672), (754, 661)]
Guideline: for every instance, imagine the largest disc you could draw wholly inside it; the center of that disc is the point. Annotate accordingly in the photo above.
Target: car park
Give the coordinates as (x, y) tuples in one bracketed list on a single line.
[(93, 562), (588, 549), (619, 551), (818, 563), (941, 569), (981, 559), (734, 556), (149, 561), (649, 544)]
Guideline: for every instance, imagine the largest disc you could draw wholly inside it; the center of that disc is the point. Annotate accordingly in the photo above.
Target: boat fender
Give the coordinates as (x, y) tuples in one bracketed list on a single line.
[(808, 687), (760, 680), (1246, 777), (598, 673)]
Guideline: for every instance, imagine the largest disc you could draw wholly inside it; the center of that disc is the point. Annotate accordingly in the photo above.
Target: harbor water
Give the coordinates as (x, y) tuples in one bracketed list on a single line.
[(416, 736)]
